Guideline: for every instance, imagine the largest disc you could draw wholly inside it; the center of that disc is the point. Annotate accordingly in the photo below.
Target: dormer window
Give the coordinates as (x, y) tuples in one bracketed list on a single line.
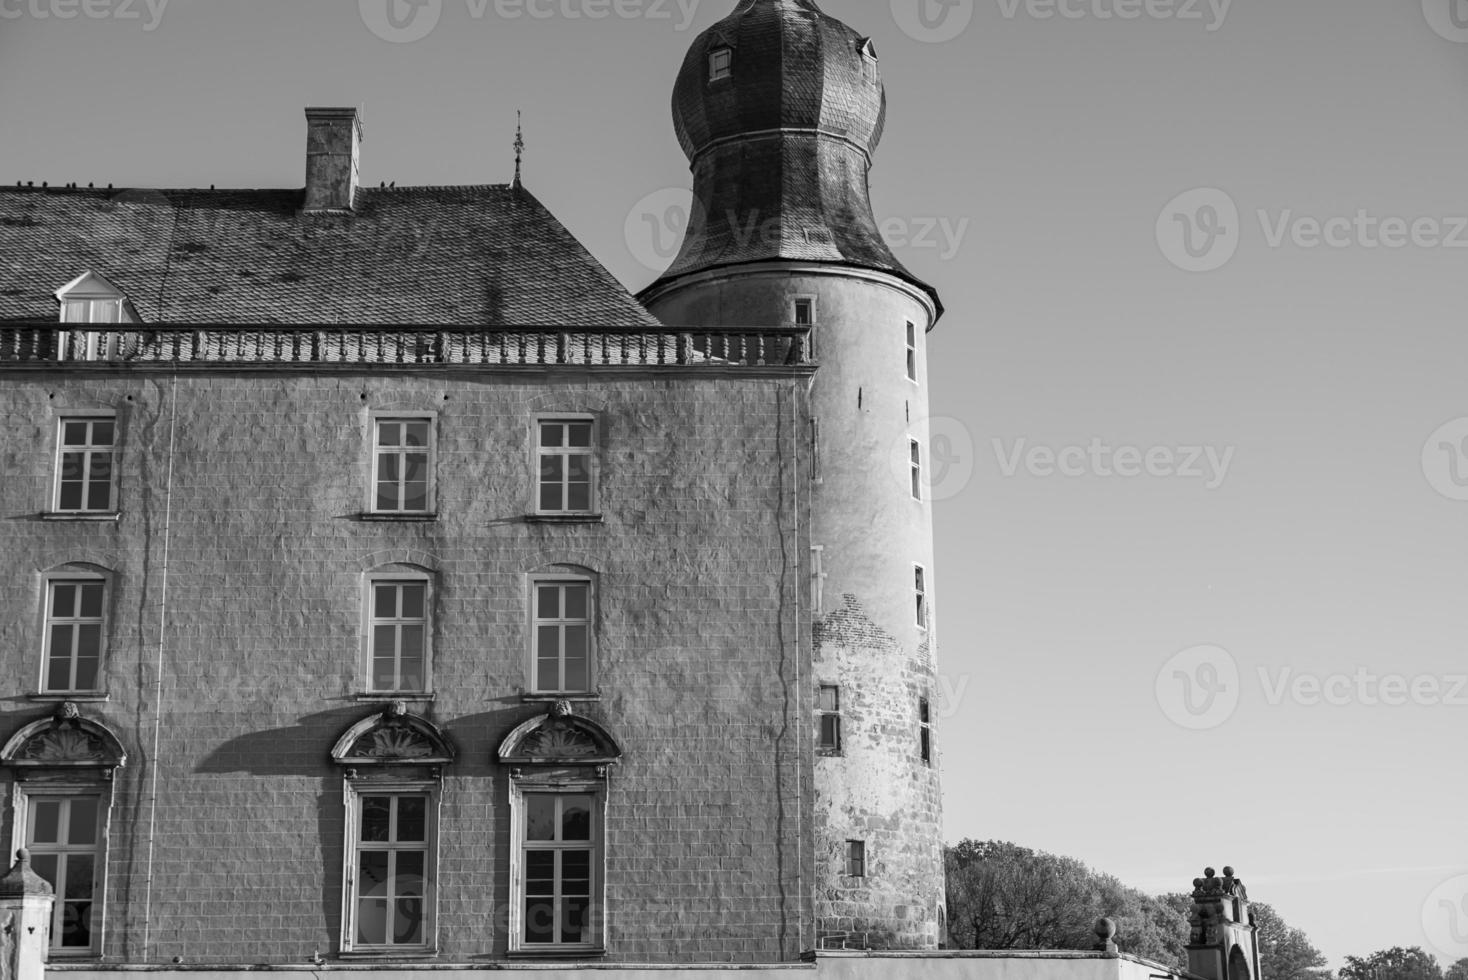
[(868, 48), (721, 63), (93, 299)]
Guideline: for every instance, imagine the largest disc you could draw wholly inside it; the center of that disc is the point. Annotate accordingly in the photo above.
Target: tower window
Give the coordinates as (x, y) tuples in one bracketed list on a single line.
[(803, 311), (925, 731), (911, 351), (721, 63), (920, 590), (917, 469), (856, 859), (830, 715)]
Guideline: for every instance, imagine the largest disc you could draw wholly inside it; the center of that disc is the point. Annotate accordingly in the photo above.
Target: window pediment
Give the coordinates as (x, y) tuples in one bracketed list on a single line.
[(66, 739), (393, 736), (559, 738)]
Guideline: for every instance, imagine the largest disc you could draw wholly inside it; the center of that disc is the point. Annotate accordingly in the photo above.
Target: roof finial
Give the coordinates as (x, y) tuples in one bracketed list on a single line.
[(519, 147)]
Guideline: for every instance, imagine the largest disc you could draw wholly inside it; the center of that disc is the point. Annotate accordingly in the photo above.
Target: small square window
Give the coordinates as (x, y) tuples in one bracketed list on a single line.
[(85, 470), (829, 738), (402, 466), (74, 636), (566, 463), (856, 859), (721, 63)]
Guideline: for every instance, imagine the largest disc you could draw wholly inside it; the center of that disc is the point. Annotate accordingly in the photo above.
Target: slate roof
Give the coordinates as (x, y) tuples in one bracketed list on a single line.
[(473, 256)]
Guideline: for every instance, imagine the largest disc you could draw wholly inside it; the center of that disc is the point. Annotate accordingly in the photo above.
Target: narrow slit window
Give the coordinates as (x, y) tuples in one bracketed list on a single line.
[(916, 450), (925, 731), (829, 739), (911, 351), (856, 859), (920, 590)]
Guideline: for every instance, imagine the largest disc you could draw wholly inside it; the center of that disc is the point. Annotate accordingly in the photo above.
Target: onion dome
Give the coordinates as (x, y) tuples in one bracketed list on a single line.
[(779, 109)]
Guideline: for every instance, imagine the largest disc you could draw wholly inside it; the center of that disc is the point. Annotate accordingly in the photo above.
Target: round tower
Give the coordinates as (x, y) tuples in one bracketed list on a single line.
[(779, 109)]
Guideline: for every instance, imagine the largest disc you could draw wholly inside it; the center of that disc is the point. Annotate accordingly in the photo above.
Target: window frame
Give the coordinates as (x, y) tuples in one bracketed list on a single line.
[(532, 646), (721, 63), (354, 789), (557, 783), (925, 730), (430, 497), (912, 352), (592, 452), (915, 453), (114, 451), (370, 581), (823, 746), (920, 595), (856, 858), (81, 576), (24, 791)]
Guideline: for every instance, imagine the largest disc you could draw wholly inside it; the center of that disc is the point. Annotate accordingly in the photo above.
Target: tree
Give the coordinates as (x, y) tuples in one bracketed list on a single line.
[(1397, 963), (1003, 896), (1458, 971)]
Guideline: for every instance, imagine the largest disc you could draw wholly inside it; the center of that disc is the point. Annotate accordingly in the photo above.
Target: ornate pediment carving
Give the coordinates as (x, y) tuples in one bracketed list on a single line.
[(393, 736), (560, 737), (65, 739)]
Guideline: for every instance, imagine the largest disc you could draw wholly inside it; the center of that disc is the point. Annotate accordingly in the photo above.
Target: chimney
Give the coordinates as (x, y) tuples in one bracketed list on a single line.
[(333, 139)]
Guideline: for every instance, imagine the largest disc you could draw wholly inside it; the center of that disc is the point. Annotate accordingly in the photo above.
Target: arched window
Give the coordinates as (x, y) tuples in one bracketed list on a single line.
[(392, 780)]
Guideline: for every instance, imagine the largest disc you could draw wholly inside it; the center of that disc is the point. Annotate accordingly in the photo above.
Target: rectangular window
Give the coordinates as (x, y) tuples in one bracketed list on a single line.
[(73, 636), (398, 635), (561, 635), (917, 469), (721, 63), (921, 597), (804, 311), (856, 859), (64, 834), (925, 731), (565, 450), (830, 716), (390, 871), (911, 351), (84, 468), (402, 466), (559, 867)]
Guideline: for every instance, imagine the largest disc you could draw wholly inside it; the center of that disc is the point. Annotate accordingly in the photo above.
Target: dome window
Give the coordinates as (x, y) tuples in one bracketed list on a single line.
[(721, 63)]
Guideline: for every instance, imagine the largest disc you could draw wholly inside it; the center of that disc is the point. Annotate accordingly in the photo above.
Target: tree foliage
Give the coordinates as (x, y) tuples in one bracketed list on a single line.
[(1458, 971), (1397, 963)]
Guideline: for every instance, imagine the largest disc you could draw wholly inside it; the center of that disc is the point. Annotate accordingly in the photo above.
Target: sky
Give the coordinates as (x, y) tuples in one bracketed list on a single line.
[(1200, 399)]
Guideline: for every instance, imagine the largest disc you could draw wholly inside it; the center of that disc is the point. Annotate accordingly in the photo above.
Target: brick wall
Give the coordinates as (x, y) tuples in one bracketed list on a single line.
[(700, 575)]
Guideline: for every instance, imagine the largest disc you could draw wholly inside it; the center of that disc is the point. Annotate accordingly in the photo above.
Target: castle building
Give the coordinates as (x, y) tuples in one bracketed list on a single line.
[(385, 587)]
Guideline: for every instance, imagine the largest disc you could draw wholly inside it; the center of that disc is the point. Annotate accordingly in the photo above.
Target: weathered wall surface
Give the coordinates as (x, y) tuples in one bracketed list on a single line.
[(871, 533), (701, 571)]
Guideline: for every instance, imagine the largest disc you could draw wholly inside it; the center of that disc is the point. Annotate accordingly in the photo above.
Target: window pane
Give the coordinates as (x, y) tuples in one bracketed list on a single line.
[(548, 640), (78, 877), (74, 434), (550, 497), (387, 496), (91, 599), (408, 926), (86, 673), (412, 819), (552, 435), (577, 597), (576, 822), (548, 675), (409, 880), (389, 434), (580, 435), (71, 496), (83, 828), (830, 731), (63, 600), (539, 921), (45, 865), (413, 596), (552, 469), (548, 601), (412, 643), (540, 872), (385, 601), (375, 816), (384, 673), (574, 642), (830, 699), (416, 434), (101, 470), (578, 496), (578, 468), (573, 919), (372, 921), (540, 820), (88, 640), (372, 873), (102, 433), (576, 675), (46, 823), (411, 676), (76, 925), (389, 466)]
